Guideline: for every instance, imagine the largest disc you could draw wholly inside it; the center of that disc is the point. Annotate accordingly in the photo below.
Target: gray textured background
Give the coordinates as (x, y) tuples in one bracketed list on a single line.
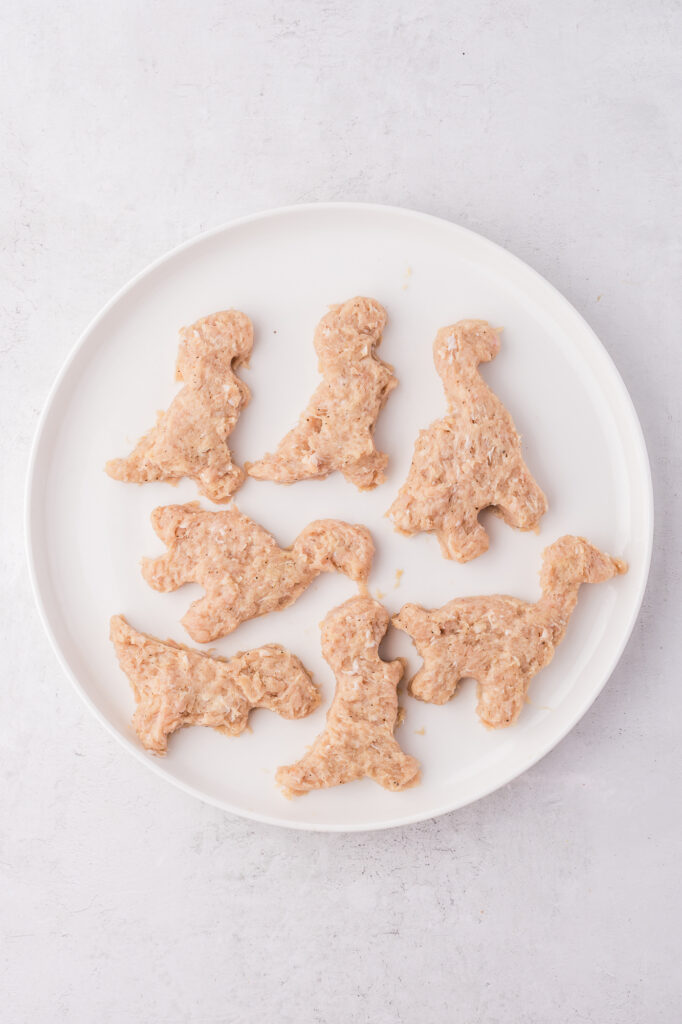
[(553, 129)]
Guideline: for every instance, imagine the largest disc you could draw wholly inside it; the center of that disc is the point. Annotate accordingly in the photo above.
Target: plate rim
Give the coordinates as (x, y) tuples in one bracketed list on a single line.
[(30, 541)]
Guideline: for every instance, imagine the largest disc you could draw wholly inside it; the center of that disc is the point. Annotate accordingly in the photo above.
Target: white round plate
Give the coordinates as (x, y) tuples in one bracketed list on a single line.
[(582, 441)]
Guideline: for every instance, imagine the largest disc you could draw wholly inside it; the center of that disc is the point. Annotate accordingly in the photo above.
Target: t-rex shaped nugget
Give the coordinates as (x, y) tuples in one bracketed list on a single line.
[(175, 686), (358, 739), (501, 641), (241, 567), (190, 438), (336, 430), (469, 460)]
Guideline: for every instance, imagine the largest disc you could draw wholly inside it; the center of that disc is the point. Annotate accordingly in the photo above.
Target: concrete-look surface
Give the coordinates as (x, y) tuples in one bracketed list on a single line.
[(553, 129)]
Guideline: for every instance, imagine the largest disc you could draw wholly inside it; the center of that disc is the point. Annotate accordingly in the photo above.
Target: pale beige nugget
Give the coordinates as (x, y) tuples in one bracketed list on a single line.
[(242, 568), (358, 739), (190, 438), (336, 431), (175, 686), (502, 642), (469, 460)]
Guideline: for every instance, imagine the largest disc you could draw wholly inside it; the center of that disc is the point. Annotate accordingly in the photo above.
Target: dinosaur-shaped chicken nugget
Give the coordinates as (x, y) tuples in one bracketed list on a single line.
[(242, 568), (190, 438), (336, 430), (358, 739), (175, 686), (469, 460), (502, 642)]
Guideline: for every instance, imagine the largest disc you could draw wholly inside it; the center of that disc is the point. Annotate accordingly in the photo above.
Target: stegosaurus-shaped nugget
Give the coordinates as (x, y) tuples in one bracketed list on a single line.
[(175, 686)]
